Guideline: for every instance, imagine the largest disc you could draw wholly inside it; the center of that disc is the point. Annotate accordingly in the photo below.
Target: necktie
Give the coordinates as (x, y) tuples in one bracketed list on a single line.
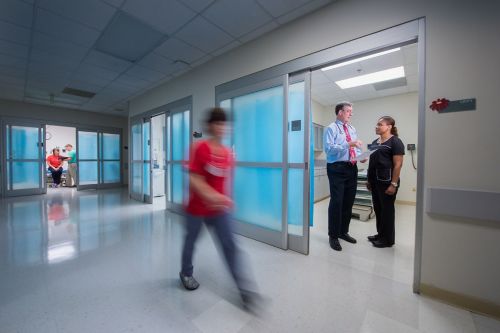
[(352, 153)]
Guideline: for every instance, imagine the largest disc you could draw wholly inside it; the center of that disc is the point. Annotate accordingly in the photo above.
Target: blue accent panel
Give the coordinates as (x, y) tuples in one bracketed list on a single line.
[(136, 177), (25, 175), (296, 201), (146, 178), (25, 143), (146, 138), (177, 137), (258, 196), (87, 173), (258, 119), (110, 146), (111, 172), (87, 146), (167, 139), (136, 142), (296, 113), (186, 134), (177, 187), (311, 172)]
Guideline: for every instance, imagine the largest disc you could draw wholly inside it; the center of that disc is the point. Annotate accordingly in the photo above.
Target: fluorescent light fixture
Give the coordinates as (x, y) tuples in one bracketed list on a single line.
[(388, 74), (340, 64)]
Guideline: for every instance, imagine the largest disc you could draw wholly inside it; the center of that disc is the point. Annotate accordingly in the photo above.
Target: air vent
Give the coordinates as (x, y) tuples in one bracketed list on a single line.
[(78, 92), (401, 82)]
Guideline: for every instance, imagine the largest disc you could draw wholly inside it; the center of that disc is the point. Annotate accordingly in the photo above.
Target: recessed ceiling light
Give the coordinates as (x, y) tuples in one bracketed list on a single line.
[(340, 64), (388, 74)]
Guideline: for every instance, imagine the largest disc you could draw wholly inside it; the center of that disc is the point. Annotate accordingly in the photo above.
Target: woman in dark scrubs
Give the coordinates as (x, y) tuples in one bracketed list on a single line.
[(383, 179)]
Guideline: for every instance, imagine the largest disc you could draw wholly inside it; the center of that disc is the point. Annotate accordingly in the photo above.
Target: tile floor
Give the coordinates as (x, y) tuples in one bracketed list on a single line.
[(95, 261)]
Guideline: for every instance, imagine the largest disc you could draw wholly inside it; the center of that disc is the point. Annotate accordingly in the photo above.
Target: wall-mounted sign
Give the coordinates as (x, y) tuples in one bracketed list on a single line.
[(442, 105)]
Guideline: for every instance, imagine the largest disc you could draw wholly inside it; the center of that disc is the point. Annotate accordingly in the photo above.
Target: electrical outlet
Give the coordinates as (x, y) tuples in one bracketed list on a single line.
[(411, 146)]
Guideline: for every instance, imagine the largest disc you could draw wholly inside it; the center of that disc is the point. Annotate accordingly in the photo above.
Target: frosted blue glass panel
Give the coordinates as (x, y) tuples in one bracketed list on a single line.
[(111, 172), (258, 196), (258, 126), (7, 142), (136, 142), (168, 173), (87, 173), (295, 201), (137, 178), (226, 105), (25, 142), (110, 146), (177, 137), (146, 178), (167, 139), (146, 139), (87, 146), (25, 175), (296, 113), (177, 188), (186, 134)]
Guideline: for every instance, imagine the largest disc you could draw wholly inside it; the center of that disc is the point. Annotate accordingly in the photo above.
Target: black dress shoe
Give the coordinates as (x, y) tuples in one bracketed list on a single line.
[(348, 238), (380, 244), (373, 238), (334, 244)]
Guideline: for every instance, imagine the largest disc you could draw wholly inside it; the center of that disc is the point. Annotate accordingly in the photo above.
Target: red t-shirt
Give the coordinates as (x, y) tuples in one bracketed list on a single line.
[(55, 161), (215, 165)]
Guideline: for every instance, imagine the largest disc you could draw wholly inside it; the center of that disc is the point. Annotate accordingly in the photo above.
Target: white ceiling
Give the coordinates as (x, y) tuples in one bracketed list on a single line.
[(47, 45), (326, 92)]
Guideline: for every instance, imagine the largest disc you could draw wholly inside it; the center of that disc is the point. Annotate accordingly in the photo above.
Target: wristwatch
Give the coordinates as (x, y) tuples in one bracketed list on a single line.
[(394, 184)]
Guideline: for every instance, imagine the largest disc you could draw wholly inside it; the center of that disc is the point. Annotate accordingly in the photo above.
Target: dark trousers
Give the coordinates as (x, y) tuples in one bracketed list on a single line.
[(56, 175), (222, 227), (384, 211), (343, 184)]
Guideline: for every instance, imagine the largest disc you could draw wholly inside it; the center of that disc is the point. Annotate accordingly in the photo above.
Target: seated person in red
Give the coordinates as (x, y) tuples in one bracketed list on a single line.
[(55, 162)]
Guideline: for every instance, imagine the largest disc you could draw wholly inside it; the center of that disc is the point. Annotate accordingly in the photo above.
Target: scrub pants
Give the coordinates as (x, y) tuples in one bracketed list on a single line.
[(384, 211), (221, 224)]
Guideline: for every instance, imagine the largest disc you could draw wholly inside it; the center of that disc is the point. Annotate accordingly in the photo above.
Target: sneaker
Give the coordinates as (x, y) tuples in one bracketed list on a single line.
[(189, 282)]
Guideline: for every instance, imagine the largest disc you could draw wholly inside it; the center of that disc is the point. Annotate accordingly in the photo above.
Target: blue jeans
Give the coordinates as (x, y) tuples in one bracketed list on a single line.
[(222, 227)]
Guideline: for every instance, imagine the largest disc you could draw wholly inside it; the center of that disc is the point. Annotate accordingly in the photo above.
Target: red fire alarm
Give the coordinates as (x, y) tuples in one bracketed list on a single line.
[(439, 104)]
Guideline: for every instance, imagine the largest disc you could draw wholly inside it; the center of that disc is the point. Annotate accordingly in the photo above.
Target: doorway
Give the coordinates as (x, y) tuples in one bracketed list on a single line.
[(60, 140)]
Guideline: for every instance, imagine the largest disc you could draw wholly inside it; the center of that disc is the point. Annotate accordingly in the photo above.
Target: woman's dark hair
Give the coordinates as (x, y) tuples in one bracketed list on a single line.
[(216, 114), (54, 151), (390, 121)]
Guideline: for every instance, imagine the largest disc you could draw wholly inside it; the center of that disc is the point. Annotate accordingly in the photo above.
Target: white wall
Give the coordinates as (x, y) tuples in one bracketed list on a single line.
[(461, 58), (404, 109), (66, 117)]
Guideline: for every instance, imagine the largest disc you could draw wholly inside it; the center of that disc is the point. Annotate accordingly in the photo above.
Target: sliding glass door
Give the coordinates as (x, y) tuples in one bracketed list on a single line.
[(98, 158), (24, 158), (270, 139)]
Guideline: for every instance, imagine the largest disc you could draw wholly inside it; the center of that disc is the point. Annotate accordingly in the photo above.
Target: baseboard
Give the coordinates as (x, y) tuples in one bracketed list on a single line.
[(404, 202), (470, 303)]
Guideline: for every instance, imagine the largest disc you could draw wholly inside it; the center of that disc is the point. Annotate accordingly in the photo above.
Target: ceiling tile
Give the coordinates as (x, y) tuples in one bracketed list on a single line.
[(280, 7), (91, 79), (92, 13), (13, 81), (175, 49), (237, 17), (166, 16), (103, 60), (66, 29), (59, 48), (84, 86), (204, 35), (197, 5), (128, 38), (87, 69), (145, 74), (201, 61), (259, 32), (14, 49), (6, 60), (161, 64), (51, 62), (8, 92), (114, 3), (16, 12), (14, 33), (13, 71), (307, 8), (129, 82)]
